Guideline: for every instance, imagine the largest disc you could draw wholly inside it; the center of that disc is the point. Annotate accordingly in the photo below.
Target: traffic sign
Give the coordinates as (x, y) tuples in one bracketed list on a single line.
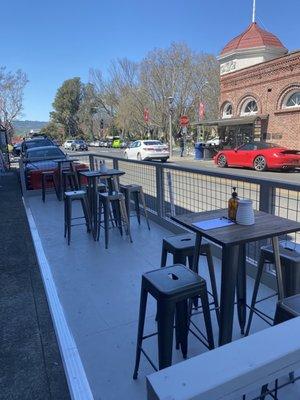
[(184, 120)]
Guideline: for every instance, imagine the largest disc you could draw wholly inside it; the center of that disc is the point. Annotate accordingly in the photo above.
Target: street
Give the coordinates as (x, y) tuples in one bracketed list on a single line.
[(188, 161)]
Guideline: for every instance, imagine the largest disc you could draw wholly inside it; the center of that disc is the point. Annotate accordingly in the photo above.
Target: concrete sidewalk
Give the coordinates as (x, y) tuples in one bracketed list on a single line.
[(30, 363)]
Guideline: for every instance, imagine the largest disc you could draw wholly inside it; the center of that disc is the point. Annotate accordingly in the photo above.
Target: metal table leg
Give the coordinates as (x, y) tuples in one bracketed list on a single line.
[(230, 256), (242, 288), (94, 198), (197, 252), (277, 264)]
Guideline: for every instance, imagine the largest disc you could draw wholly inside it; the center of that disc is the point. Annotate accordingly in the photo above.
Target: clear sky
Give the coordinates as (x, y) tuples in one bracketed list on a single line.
[(59, 39)]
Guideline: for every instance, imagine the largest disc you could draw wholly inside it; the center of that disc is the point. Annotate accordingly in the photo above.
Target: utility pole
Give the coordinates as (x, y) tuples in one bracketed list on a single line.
[(171, 99)]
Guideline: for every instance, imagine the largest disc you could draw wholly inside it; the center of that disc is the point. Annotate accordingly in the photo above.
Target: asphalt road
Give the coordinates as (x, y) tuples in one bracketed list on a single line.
[(291, 177)]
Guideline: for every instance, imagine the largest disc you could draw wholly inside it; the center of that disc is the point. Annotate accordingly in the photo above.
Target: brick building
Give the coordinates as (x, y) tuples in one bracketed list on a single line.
[(260, 90)]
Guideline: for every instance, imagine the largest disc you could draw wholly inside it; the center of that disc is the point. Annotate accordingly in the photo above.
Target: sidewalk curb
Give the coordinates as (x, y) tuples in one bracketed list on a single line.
[(76, 377)]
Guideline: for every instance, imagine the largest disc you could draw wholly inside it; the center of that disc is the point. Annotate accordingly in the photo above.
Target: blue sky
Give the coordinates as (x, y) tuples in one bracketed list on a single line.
[(56, 40)]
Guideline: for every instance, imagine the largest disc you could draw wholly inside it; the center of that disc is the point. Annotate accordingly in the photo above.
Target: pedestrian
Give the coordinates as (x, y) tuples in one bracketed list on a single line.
[(181, 144)]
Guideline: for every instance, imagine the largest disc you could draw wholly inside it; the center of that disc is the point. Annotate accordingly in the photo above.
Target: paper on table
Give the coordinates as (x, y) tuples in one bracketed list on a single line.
[(213, 223)]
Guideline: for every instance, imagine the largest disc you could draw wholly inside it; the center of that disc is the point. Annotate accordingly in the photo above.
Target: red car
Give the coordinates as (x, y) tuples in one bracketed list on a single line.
[(260, 156), (41, 159)]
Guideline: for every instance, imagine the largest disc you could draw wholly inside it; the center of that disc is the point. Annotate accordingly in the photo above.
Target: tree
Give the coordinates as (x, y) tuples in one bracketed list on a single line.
[(12, 86), (187, 76), (53, 130), (66, 106)]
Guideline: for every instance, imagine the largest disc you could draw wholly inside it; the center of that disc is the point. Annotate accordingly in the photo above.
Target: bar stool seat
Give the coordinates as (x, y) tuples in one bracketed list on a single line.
[(182, 247), (290, 260), (136, 193), (48, 176), (287, 309), (172, 287), (116, 202), (69, 197)]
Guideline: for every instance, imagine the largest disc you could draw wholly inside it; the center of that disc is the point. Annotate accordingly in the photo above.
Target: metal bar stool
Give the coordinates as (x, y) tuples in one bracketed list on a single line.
[(172, 287), (78, 195), (115, 200), (48, 177), (286, 309), (69, 176), (135, 192), (182, 247), (290, 261)]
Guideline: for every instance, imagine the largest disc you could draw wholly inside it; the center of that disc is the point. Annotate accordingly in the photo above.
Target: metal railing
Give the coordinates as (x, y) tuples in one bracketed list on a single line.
[(196, 189)]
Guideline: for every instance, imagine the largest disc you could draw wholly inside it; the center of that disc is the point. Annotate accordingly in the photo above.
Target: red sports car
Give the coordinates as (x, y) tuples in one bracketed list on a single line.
[(260, 156)]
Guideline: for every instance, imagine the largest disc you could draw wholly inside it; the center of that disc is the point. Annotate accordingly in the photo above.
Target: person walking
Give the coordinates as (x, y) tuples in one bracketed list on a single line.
[(181, 144)]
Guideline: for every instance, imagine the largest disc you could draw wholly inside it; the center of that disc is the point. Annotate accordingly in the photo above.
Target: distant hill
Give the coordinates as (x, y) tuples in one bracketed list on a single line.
[(23, 127)]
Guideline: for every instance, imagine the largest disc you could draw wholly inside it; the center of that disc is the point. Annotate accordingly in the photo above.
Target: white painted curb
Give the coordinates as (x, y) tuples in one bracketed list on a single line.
[(75, 373)]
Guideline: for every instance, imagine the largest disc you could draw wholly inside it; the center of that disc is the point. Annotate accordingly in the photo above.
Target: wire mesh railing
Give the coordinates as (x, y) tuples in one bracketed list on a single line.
[(173, 189)]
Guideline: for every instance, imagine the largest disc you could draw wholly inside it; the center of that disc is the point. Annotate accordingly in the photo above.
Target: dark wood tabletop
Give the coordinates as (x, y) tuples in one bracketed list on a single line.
[(102, 174), (265, 226)]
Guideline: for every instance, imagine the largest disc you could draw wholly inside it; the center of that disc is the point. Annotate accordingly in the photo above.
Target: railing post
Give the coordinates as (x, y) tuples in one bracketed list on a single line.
[(116, 163), (266, 197), (91, 161), (22, 177), (160, 190)]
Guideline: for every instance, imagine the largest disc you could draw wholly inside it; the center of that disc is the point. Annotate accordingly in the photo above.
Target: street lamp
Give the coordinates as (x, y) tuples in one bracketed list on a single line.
[(170, 99)]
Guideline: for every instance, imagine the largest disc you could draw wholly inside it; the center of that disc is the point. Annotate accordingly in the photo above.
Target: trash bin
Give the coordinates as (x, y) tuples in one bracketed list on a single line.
[(207, 153), (198, 151)]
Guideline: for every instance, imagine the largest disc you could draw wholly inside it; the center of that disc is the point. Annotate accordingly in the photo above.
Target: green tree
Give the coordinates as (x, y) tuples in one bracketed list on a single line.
[(66, 106), (53, 130)]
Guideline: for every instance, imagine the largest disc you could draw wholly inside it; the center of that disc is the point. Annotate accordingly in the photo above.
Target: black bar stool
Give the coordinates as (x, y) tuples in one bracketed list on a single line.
[(48, 177), (135, 192), (290, 261), (182, 247), (79, 176), (78, 195), (286, 309), (172, 287), (69, 178), (115, 200)]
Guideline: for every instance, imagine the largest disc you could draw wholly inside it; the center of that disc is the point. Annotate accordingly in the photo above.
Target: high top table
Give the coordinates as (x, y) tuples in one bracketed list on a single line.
[(92, 176), (233, 240)]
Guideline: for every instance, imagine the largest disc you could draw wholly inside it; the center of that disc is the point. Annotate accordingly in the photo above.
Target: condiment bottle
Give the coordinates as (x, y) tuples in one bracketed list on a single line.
[(233, 204)]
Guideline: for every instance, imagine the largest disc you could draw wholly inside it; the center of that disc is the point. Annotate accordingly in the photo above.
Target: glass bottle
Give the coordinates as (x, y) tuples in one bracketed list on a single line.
[(233, 204)]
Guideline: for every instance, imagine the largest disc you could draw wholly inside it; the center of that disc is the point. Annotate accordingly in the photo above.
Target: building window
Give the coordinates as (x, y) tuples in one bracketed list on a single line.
[(227, 111), (292, 100), (249, 107)]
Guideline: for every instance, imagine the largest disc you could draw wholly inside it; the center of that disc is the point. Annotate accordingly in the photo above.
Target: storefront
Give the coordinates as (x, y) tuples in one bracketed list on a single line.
[(233, 132)]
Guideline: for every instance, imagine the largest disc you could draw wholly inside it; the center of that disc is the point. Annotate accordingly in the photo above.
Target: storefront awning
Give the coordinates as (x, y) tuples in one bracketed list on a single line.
[(231, 121)]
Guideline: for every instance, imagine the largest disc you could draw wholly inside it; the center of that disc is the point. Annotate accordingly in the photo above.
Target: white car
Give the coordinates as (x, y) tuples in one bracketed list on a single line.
[(215, 141), (147, 150), (68, 144)]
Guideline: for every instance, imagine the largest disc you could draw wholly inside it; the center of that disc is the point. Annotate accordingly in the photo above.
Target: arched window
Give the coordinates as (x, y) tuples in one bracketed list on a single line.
[(249, 107), (292, 100), (227, 110)]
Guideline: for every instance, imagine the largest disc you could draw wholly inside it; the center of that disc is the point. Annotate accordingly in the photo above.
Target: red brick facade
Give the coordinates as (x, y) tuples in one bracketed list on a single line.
[(268, 83)]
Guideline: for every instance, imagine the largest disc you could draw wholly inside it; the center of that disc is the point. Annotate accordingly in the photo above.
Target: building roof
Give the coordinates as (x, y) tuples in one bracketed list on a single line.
[(254, 36)]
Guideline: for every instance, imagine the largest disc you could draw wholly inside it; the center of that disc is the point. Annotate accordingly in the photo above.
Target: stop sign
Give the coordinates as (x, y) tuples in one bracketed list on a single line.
[(184, 120)]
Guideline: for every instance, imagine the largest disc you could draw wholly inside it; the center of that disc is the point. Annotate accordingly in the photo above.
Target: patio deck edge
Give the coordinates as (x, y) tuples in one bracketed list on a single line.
[(76, 377)]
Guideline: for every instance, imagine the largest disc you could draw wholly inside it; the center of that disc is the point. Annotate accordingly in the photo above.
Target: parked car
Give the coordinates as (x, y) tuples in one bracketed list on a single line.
[(41, 159), (79, 145), (94, 143), (147, 150), (116, 143), (68, 144), (260, 156), (39, 141)]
